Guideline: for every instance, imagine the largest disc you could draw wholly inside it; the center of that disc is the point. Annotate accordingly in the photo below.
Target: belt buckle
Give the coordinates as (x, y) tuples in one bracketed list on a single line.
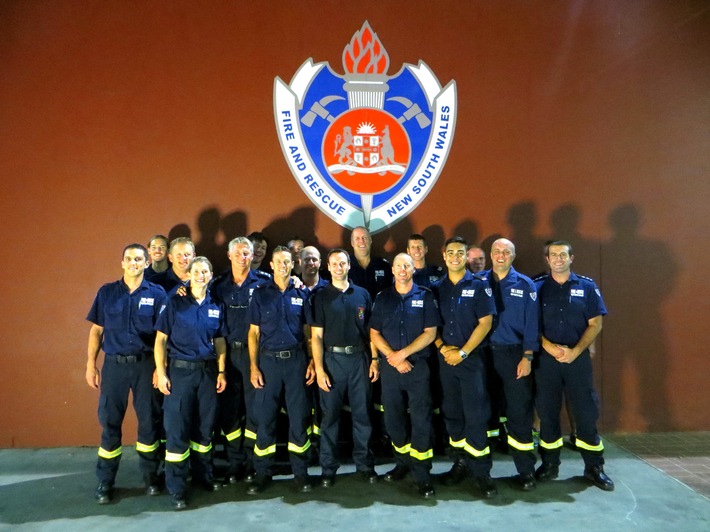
[(284, 354), (349, 350)]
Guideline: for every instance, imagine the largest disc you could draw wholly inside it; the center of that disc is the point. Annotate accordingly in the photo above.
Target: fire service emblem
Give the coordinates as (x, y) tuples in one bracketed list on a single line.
[(366, 147)]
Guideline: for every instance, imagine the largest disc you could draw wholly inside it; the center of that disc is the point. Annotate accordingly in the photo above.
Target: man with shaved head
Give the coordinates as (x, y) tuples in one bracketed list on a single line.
[(511, 343)]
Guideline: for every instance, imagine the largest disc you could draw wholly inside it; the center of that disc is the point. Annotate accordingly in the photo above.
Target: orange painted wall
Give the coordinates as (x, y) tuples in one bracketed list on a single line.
[(586, 120)]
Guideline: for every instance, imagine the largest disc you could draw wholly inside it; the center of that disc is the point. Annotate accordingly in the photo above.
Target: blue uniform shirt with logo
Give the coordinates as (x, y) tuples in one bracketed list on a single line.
[(462, 305), (191, 327), (235, 299), (128, 318), (279, 315), (518, 315), (566, 309), (428, 275), (376, 277), (401, 318), (168, 280)]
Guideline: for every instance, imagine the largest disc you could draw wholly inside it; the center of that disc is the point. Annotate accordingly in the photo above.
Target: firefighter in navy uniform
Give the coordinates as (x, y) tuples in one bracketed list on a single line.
[(403, 325), (123, 316), (572, 310), (339, 314), (180, 254), (426, 274), (280, 363), (467, 310), (190, 360), (513, 339), (235, 417)]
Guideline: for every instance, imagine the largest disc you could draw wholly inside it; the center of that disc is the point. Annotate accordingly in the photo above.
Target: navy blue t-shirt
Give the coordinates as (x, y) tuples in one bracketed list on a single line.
[(279, 315), (567, 308), (343, 315), (401, 318), (376, 277), (191, 327), (235, 299), (128, 319), (517, 321), (461, 306)]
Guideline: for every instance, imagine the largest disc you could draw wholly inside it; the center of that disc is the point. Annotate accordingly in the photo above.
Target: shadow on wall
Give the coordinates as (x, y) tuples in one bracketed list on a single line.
[(635, 274), (639, 275)]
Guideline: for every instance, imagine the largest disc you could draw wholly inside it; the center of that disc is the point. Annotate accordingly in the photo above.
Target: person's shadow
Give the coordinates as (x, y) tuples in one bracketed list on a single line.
[(638, 275), (529, 248)]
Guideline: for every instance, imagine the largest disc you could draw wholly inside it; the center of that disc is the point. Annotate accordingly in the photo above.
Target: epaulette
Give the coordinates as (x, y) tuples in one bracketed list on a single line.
[(481, 276), (585, 278), (262, 274), (541, 277)]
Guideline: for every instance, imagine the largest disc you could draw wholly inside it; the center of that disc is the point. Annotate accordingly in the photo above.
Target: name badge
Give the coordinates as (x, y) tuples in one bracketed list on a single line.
[(297, 301), (468, 293), (148, 301), (516, 293), (577, 292), (213, 313), (417, 303)]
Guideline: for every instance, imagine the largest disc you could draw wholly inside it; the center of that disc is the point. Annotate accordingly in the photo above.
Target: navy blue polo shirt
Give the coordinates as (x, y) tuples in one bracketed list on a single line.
[(343, 315), (128, 318), (401, 318), (428, 275), (376, 277), (279, 315), (461, 306), (191, 327), (517, 321), (235, 299), (168, 280), (567, 308)]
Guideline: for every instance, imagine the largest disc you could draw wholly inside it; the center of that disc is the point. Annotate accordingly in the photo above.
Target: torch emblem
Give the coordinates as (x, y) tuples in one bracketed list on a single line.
[(366, 147)]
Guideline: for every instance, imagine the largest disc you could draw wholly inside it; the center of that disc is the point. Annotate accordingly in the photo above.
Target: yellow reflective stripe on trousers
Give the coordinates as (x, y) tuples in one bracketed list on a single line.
[(554, 445), (520, 446), (494, 433), (457, 444), (587, 447), (293, 448), (271, 449), (475, 452), (200, 448), (233, 435), (176, 457), (316, 430), (144, 448), (108, 455), (378, 407), (421, 455), (249, 434), (405, 449)]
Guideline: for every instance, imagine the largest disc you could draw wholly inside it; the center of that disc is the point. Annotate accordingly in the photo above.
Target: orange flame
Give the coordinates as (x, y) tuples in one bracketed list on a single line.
[(365, 53)]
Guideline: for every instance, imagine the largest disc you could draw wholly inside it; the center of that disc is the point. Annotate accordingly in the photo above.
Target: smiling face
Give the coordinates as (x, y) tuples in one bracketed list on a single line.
[(455, 257), (339, 266), (310, 261), (502, 255), (259, 251), (403, 269), (559, 259), (282, 264), (240, 256), (417, 249), (180, 256), (361, 242), (200, 273), (134, 263), (158, 250)]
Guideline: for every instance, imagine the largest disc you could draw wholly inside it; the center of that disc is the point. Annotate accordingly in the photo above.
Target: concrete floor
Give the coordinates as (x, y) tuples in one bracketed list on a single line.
[(52, 489)]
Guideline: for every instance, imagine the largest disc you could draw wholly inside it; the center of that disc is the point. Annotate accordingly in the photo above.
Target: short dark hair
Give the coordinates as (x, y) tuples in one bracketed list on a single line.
[(280, 249), (162, 237), (456, 240), (416, 236), (135, 246), (258, 236), (557, 243), (337, 250)]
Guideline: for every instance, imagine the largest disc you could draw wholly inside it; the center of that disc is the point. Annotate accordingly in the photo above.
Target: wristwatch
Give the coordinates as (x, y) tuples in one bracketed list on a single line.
[(464, 354), (529, 357)]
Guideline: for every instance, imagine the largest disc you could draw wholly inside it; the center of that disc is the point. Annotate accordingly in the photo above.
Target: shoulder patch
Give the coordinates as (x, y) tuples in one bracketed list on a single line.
[(533, 296), (489, 291)]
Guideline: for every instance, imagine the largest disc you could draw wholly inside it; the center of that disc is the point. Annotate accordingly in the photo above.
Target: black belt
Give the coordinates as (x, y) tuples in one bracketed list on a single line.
[(128, 359), (286, 353), (238, 345), (346, 350), (189, 364)]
